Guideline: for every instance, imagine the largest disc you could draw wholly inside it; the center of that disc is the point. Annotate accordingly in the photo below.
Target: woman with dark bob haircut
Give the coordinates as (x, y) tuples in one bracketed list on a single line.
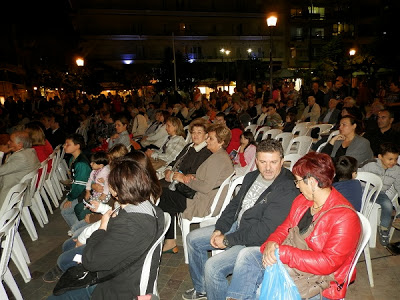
[(123, 238), (331, 239)]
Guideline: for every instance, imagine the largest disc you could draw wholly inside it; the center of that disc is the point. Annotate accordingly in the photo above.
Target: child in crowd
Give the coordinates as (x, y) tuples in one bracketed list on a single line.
[(386, 167), (245, 154), (345, 182)]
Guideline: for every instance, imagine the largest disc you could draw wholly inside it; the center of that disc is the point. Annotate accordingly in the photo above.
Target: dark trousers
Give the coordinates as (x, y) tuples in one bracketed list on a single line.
[(173, 203)]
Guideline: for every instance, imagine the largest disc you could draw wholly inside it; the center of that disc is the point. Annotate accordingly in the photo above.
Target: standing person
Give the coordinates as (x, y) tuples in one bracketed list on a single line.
[(317, 93), (387, 169), (331, 240), (204, 183), (21, 162), (80, 172), (262, 203)]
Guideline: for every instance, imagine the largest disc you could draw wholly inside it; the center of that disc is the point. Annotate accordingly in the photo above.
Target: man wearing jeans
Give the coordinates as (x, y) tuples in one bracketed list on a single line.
[(261, 205)]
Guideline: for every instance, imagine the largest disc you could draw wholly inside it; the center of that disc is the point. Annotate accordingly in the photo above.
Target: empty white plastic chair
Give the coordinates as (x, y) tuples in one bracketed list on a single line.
[(301, 129), (299, 145), (260, 132), (291, 159), (284, 138), (323, 129), (271, 134), (252, 128)]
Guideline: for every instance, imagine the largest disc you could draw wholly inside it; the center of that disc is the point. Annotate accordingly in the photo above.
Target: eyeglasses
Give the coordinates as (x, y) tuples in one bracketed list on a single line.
[(296, 181)]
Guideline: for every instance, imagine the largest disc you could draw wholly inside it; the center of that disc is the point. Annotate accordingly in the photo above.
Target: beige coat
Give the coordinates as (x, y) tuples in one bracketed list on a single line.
[(211, 173)]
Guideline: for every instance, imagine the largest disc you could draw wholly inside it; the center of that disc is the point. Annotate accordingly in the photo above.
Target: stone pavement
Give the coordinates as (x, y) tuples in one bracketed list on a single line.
[(174, 276)]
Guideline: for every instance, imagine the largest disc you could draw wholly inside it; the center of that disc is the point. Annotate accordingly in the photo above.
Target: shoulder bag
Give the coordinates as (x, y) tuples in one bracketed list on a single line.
[(308, 284), (77, 277)]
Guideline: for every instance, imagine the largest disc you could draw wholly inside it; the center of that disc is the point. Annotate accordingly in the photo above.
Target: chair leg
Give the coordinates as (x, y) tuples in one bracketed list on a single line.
[(9, 280), (373, 219), (46, 199), (21, 247), (185, 228), (50, 190), (367, 257), (36, 212), (39, 203), (28, 223), (19, 260)]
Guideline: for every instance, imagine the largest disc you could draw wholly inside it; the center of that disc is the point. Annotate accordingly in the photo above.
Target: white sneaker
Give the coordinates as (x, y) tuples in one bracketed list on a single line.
[(70, 233)]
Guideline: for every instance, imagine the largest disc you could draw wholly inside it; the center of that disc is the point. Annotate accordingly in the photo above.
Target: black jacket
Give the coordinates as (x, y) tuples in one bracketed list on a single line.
[(269, 211)]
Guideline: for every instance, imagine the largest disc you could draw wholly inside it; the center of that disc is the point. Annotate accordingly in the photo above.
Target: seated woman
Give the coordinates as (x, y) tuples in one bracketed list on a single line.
[(290, 123), (156, 139), (205, 183), (122, 135), (233, 123), (332, 240), (244, 161), (192, 155), (110, 247), (345, 182), (172, 146), (348, 142)]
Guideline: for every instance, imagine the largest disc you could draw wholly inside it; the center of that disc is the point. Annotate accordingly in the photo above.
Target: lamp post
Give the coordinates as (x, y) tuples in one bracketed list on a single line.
[(271, 21), (224, 52), (352, 52)]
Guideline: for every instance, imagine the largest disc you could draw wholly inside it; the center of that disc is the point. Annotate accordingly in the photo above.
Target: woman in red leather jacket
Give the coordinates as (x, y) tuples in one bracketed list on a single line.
[(333, 240)]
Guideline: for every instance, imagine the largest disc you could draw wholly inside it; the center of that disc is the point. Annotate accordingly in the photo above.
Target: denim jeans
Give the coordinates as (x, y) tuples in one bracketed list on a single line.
[(78, 225), (209, 274), (65, 260), (80, 294), (69, 213), (248, 275), (386, 209)]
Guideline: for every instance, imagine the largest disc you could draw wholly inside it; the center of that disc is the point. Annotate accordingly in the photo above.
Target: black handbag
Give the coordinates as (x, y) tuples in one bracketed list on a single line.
[(185, 190), (77, 277)]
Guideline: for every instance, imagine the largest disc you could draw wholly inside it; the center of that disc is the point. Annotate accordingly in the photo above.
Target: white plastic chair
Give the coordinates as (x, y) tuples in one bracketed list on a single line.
[(284, 138), (184, 224), (31, 181), (261, 132), (51, 185), (372, 185), (188, 134), (362, 246), (7, 233), (333, 133), (393, 195), (15, 200), (272, 133), (299, 145), (144, 277), (41, 195), (323, 128), (252, 128), (292, 158), (301, 129)]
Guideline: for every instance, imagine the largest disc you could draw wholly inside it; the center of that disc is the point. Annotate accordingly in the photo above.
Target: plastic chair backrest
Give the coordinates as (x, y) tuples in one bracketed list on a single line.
[(231, 190), (261, 132), (372, 185), (252, 128), (144, 278), (284, 138), (364, 238), (43, 166), (31, 180), (301, 129), (333, 133), (304, 144), (323, 128), (7, 232), (14, 198), (292, 158), (218, 195), (272, 133)]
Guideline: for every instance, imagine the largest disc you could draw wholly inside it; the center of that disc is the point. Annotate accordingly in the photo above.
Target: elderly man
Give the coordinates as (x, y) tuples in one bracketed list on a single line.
[(261, 205), (22, 161), (311, 112)]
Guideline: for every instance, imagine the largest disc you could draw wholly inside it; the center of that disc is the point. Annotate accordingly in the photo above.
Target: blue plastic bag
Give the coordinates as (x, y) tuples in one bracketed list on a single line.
[(277, 283)]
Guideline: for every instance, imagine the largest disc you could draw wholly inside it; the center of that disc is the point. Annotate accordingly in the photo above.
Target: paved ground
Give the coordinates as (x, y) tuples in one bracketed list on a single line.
[(174, 276)]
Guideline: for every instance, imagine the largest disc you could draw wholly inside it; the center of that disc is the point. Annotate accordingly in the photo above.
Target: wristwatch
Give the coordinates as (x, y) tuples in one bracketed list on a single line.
[(225, 242)]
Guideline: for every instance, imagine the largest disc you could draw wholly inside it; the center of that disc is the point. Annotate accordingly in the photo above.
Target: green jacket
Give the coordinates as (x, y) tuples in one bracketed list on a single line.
[(80, 170)]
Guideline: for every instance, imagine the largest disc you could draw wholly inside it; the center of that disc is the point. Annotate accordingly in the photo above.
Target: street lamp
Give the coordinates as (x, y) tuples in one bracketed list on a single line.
[(352, 52), (80, 62), (225, 52), (271, 22)]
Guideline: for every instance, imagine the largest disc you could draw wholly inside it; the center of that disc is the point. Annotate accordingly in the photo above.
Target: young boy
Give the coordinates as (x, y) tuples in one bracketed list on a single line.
[(80, 169), (386, 167)]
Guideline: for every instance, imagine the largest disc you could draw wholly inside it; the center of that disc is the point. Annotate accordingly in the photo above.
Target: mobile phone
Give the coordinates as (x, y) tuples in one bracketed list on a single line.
[(88, 204)]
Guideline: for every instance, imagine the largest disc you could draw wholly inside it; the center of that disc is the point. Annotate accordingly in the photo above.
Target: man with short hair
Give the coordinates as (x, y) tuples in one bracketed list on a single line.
[(57, 136), (384, 133), (261, 205), (311, 112), (22, 161), (274, 120), (220, 118)]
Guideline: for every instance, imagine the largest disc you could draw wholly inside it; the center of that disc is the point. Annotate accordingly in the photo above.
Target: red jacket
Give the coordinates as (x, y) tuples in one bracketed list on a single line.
[(333, 241)]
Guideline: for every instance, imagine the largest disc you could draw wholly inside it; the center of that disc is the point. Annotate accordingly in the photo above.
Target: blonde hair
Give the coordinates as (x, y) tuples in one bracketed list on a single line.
[(37, 135), (222, 133), (177, 123), (116, 151)]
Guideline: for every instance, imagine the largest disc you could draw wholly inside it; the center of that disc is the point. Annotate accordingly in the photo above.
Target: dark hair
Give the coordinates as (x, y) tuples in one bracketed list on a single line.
[(270, 145), (221, 114), (345, 166), (391, 112), (292, 116), (354, 120), (317, 165), (388, 148), (232, 121), (248, 135), (271, 105), (165, 114), (100, 158), (77, 139), (130, 180), (144, 160)]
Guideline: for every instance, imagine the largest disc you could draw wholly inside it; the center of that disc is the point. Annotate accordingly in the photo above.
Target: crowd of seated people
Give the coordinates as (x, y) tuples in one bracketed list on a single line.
[(190, 170)]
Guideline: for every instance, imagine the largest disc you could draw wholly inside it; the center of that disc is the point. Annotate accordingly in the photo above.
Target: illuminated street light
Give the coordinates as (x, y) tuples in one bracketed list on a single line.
[(271, 21), (80, 62), (249, 50), (352, 52), (222, 50)]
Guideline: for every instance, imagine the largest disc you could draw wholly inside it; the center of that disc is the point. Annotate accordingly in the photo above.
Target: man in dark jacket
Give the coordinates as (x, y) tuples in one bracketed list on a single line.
[(261, 205)]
